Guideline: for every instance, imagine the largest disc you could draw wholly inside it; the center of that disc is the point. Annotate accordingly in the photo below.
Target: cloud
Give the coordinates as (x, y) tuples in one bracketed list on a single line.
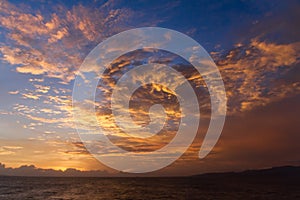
[(30, 96), (42, 88), (55, 46), (262, 137), (250, 74), (9, 150), (6, 152), (257, 74), (14, 92), (12, 147)]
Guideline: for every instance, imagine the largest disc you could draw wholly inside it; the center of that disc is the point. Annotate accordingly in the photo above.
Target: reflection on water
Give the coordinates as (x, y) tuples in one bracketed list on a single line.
[(142, 188)]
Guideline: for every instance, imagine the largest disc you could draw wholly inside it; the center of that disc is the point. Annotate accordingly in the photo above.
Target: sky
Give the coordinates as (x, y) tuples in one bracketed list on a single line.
[(255, 45)]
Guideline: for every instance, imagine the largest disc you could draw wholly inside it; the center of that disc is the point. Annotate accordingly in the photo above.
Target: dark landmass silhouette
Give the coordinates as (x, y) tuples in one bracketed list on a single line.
[(288, 176), (284, 172), (273, 183), (29, 182), (31, 170)]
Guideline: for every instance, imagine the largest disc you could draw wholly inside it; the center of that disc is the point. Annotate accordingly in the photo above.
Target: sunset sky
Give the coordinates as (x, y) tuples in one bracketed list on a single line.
[(255, 45)]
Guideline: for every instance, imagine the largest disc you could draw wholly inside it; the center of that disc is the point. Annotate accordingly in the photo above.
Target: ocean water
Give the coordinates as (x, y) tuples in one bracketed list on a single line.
[(22, 188)]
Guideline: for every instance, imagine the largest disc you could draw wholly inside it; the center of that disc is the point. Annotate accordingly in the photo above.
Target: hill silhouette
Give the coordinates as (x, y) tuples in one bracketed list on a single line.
[(287, 173)]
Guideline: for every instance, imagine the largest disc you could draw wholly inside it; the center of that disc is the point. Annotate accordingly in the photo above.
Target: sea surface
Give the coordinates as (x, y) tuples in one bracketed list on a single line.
[(22, 188)]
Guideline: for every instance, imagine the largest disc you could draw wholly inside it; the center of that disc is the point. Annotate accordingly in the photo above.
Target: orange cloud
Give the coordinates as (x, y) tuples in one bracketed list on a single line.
[(250, 74), (55, 47), (51, 153), (14, 92), (30, 96)]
